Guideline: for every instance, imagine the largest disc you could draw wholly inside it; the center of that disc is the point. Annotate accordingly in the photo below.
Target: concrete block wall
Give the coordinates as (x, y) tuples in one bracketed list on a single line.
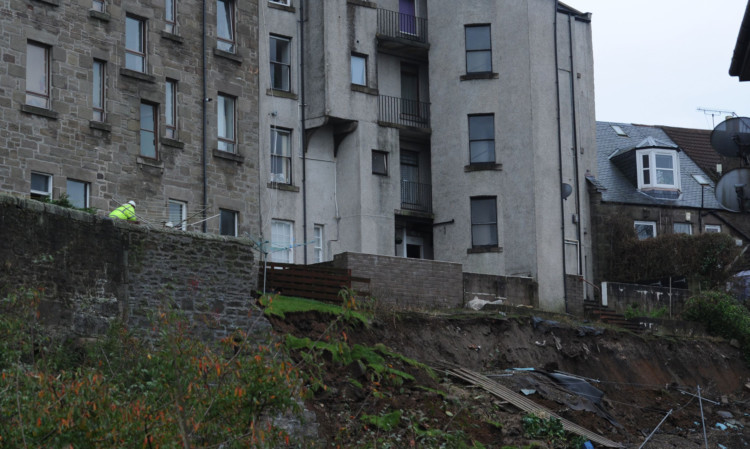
[(407, 282), (515, 291), (95, 270)]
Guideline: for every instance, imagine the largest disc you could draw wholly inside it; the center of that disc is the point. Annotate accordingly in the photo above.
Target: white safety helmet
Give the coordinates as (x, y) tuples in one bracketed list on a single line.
[(132, 203)]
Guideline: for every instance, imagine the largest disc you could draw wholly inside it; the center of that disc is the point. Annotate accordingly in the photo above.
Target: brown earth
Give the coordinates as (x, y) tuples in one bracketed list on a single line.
[(643, 378)]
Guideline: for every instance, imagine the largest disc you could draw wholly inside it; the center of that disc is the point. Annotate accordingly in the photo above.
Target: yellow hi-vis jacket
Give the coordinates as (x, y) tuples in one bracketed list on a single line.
[(124, 212)]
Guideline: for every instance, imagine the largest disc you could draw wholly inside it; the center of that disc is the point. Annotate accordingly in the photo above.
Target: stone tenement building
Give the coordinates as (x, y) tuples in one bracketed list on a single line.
[(109, 101)]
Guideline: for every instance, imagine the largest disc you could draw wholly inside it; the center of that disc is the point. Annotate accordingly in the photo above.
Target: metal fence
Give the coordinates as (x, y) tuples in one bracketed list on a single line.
[(402, 111), (416, 196), (403, 26)]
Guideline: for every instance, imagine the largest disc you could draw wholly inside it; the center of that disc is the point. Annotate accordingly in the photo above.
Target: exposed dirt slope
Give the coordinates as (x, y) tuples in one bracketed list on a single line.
[(642, 377)]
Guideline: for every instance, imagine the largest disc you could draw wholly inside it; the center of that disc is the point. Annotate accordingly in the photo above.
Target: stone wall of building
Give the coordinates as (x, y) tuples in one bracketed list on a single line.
[(94, 270)]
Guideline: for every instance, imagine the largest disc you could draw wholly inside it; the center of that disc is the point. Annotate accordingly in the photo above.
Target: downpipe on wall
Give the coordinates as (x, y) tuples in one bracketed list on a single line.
[(560, 163)]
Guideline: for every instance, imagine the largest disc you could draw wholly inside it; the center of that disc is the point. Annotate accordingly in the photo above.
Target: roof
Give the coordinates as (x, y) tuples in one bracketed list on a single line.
[(619, 187), (697, 144), (740, 61)]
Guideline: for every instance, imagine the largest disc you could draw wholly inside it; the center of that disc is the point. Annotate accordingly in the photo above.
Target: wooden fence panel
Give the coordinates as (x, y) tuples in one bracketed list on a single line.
[(306, 281)]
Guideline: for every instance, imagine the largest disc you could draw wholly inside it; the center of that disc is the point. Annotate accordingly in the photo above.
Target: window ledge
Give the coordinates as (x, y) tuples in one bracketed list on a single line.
[(148, 162), (480, 76), (364, 89), (172, 142), (281, 7), (229, 156), (101, 126), (171, 36), (137, 75), (364, 3), (484, 249), (227, 55), (39, 111), (281, 93), (414, 213), (484, 166), (285, 187), (50, 2), (103, 16)]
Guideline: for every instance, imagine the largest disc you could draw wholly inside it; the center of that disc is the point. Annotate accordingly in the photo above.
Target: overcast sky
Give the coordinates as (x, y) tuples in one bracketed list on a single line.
[(657, 61)]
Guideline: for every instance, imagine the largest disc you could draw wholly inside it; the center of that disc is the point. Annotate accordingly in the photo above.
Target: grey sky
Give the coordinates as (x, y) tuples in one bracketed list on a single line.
[(657, 61)]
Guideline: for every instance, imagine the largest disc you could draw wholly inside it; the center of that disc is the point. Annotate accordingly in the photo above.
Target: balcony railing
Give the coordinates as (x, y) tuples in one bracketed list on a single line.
[(416, 196), (404, 26), (402, 111)]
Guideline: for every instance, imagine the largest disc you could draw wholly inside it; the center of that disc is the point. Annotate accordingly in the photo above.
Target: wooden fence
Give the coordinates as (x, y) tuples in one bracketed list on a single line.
[(310, 281)]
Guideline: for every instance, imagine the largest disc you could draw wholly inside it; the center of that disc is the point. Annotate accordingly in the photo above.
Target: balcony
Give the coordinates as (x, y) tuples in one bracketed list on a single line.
[(416, 196), (402, 33), (396, 111)]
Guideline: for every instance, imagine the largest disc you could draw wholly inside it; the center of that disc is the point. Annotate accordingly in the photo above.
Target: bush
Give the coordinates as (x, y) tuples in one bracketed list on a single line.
[(722, 315)]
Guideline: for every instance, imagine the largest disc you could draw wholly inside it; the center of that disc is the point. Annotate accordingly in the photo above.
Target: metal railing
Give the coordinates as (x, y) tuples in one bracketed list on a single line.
[(402, 111), (416, 196), (403, 26)]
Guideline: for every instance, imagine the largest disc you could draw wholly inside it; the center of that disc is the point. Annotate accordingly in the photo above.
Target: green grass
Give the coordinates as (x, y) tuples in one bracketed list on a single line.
[(279, 306)]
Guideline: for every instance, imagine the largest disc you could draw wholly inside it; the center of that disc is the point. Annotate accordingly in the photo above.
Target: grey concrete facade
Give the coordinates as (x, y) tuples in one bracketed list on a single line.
[(66, 140)]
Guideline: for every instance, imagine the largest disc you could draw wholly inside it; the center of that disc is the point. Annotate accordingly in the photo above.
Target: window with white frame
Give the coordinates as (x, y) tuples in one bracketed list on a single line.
[(712, 229), (37, 75), (682, 228), (78, 193), (177, 211), (41, 186), (225, 30), (478, 49), (658, 169), (98, 90), (359, 70), (226, 123), (135, 44), (282, 239), (228, 222), (170, 108), (484, 221), (170, 17), (148, 119), (318, 236), (281, 63), (645, 229), (281, 156), (482, 138)]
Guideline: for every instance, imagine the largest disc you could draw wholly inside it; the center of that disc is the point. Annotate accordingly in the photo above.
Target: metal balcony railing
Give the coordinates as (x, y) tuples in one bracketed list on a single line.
[(416, 196), (404, 26), (402, 111)]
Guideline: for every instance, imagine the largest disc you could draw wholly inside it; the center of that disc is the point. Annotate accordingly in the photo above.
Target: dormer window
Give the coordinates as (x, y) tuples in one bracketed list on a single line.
[(658, 169)]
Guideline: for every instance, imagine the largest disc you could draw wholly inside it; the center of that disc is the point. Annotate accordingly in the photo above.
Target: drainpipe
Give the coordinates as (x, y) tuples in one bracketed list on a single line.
[(302, 122), (204, 100), (575, 140), (560, 162)]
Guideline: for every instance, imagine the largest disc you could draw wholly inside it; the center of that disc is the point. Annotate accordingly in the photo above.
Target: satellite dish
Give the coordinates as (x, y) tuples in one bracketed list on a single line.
[(733, 190), (731, 137), (567, 189)]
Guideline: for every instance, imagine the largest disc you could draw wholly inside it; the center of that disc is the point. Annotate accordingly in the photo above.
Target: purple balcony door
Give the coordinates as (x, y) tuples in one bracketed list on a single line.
[(407, 16)]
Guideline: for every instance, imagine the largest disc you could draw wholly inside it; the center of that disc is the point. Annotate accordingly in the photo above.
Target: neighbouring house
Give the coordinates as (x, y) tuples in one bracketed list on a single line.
[(645, 177), (430, 130), (740, 66), (155, 102)]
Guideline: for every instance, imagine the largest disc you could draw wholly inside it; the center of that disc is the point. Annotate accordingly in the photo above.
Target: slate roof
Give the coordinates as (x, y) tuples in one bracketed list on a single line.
[(697, 144), (619, 189)]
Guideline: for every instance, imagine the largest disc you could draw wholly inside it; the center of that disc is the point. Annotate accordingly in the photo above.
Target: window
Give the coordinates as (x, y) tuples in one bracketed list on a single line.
[(228, 222), (98, 93), (225, 123), (280, 2), (177, 211), (225, 25), (135, 44), (359, 70), (169, 16), (41, 186), (682, 228), (407, 16), (318, 254), (645, 229), (148, 130), (37, 75), (481, 138), (281, 156), (379, 162), (657, 168), (97, 5), (78, 193), (280, 63), (478, 49), (410, 90), (282, 238), (711, 229), (484, 221), (618, 130), (170, 108)]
